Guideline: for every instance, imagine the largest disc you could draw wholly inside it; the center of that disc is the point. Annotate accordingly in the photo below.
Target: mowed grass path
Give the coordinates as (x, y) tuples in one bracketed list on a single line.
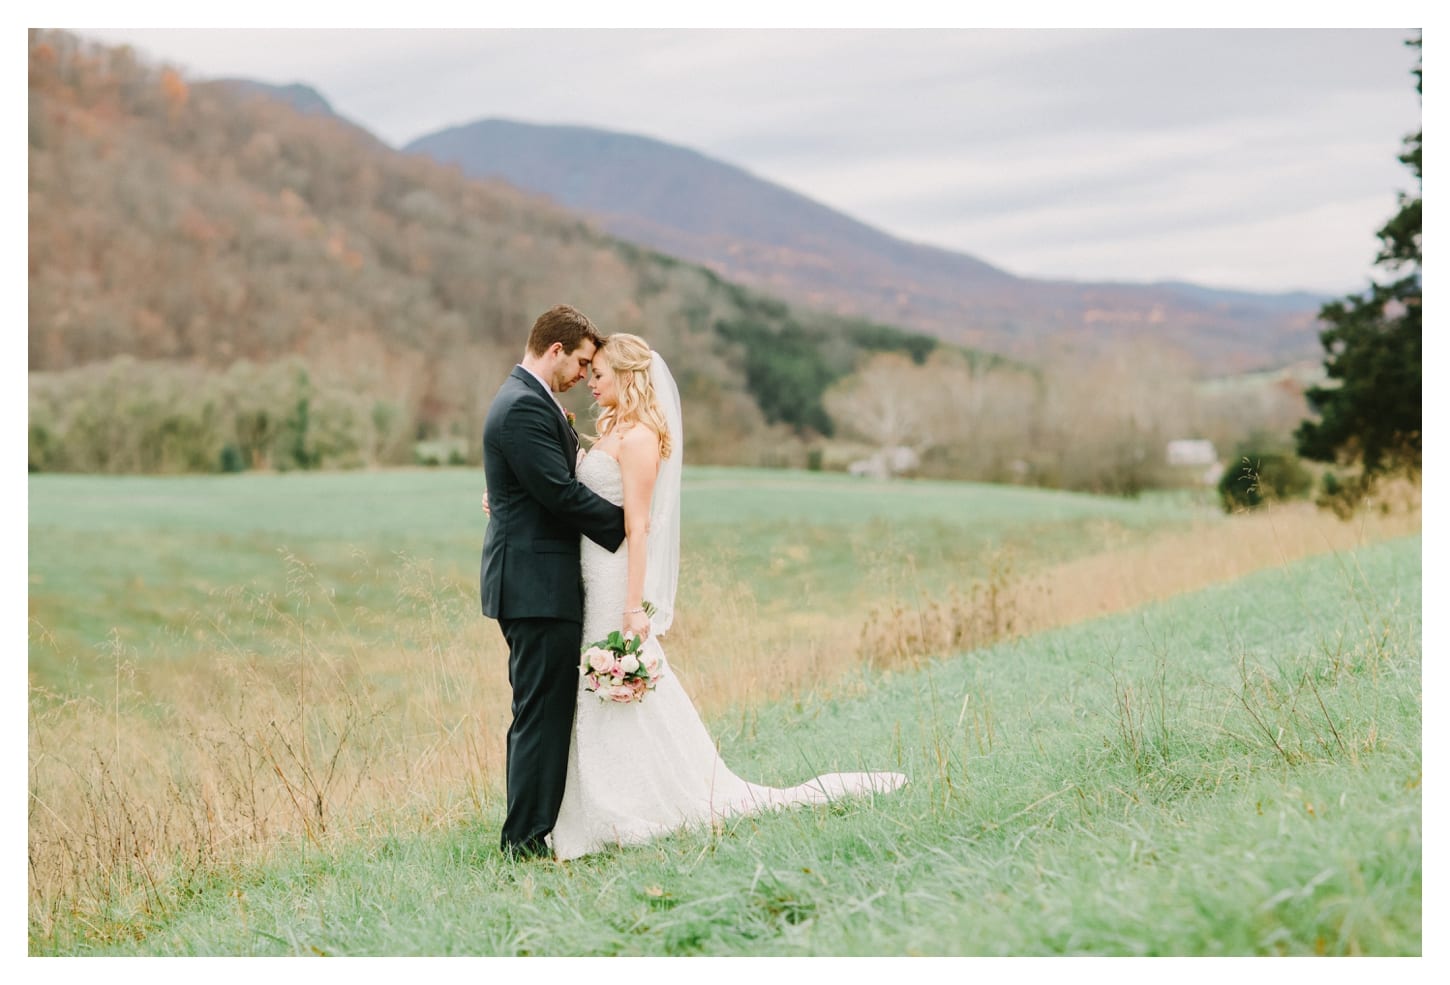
[(1235, 771)]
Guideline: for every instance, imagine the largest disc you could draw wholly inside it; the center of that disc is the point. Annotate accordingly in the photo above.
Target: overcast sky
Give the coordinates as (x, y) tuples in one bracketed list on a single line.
[(1257, 159)]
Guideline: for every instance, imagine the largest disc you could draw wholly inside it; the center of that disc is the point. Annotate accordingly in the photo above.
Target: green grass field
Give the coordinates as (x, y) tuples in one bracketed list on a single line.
[(1234, 771), (144, 559)]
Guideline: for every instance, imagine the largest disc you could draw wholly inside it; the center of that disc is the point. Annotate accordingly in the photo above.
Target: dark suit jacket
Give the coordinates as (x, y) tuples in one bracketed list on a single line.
[(538, 509)]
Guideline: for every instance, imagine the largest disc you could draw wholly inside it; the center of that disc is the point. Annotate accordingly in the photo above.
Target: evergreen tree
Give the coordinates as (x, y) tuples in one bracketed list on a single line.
[(1371, 413)]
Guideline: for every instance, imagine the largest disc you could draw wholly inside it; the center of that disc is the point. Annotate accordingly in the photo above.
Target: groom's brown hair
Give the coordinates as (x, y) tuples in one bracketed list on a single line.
[(562, 323)]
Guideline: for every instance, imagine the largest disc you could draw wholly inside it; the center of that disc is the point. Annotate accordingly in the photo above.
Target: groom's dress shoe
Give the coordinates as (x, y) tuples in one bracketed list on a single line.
[(528, 852)]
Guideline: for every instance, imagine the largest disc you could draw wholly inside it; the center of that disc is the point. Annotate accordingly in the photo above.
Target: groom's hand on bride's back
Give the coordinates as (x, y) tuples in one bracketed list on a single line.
[(486, 510)]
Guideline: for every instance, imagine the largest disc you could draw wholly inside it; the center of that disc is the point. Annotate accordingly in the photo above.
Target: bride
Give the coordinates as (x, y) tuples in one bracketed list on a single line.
[(636, 461)]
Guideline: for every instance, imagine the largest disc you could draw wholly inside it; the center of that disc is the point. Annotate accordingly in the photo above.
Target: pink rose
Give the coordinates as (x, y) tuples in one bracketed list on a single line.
[(599, 660), (622, 693)]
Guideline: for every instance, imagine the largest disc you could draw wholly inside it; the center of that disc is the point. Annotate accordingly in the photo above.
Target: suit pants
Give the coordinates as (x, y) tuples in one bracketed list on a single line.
[(544, 675)]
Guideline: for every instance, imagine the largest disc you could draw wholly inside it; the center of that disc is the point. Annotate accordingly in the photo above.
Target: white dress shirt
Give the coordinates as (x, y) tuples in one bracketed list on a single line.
[(547, 389)]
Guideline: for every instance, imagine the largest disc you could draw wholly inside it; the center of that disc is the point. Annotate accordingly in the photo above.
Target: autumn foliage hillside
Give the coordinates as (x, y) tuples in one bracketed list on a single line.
[(220, 281)]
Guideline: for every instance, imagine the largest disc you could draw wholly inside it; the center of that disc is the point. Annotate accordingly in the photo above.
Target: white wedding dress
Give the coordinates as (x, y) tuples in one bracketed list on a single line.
[(640, 770)]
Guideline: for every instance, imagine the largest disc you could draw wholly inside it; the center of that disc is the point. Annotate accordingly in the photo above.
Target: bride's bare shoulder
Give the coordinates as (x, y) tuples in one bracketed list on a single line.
[(639, 442), (639, 433)]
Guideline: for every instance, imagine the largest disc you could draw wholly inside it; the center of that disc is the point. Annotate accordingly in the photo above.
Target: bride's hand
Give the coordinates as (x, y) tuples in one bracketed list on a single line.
[(486, 510), (636, 623)]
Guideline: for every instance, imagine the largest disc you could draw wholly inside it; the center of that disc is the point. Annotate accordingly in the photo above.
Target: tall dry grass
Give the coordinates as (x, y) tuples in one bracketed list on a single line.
[(1178, 562), (143, 791), (138, 794)]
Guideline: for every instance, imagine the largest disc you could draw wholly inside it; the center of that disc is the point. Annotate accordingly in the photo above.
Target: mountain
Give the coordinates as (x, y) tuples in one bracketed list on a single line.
[(758, 233)]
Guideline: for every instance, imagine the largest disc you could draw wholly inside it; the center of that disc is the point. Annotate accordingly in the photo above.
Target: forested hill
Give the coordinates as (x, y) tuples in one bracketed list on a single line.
[(186, 236), (758, 233), (297, 94)]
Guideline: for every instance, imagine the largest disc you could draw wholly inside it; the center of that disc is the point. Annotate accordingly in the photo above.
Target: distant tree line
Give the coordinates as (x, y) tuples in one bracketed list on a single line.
[(1096, 421), (128, 416)]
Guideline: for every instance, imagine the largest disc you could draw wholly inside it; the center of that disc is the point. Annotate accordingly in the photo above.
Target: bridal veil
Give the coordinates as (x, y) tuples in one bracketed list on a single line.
[(662, 569)]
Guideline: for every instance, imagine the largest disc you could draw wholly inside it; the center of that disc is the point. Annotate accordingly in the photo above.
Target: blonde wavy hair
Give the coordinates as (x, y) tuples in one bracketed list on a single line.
[(629, 356)]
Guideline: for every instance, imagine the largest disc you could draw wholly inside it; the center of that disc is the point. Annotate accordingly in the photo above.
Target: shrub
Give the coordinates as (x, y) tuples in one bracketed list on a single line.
[(1263, 475), (232, 459)]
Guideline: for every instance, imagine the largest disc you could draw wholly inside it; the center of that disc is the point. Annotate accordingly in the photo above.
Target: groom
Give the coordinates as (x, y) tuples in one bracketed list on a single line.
[(530, 580)]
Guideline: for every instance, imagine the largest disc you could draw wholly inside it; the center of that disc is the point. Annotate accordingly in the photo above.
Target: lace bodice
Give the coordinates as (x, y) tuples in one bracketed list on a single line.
[(601, 473), (606, 573)]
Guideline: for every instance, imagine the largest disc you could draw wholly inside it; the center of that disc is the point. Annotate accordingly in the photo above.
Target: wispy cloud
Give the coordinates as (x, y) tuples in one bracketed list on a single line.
[(1255, 159)]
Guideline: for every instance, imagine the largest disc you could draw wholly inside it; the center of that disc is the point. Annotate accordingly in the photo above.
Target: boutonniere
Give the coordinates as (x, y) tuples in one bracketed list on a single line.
[(569, 416)]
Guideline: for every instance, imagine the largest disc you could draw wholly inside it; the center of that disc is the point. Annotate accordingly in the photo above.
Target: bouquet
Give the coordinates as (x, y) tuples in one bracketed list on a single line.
[(615, 669)]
